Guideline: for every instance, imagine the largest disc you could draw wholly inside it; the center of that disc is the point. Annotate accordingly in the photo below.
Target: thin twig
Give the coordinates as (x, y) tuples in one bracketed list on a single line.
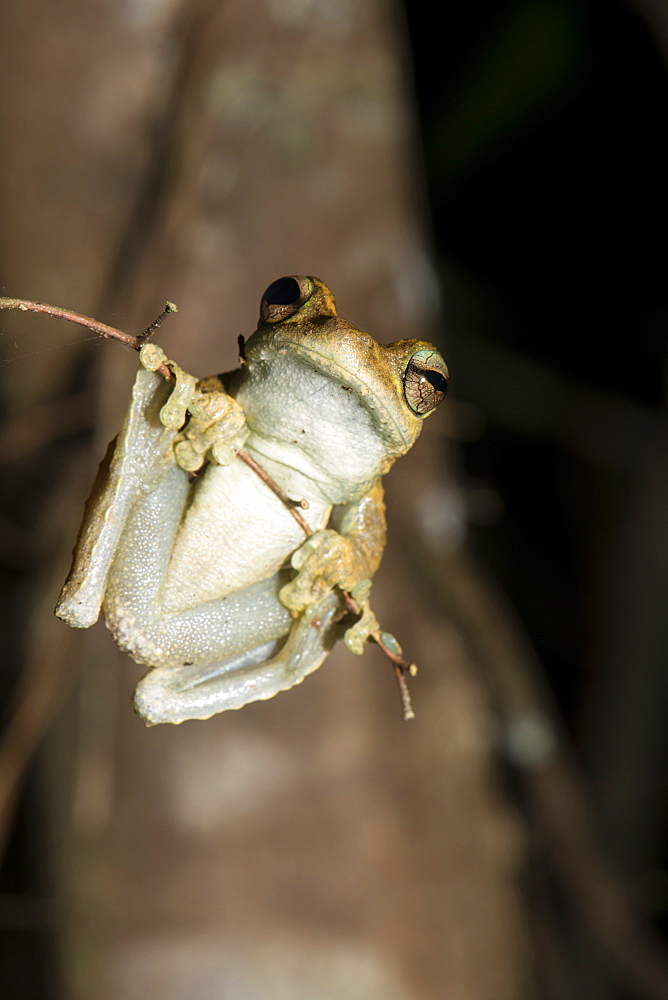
[(144, 337), (407, 712), (110, 332), (283, 497)]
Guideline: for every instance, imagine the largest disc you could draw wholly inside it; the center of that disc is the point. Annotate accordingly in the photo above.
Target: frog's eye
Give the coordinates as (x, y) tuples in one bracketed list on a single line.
[(284, 297), (425, 381)]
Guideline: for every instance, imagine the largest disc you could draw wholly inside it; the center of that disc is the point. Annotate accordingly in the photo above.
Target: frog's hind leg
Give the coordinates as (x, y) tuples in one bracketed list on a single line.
[(134, 463), (200, 657), (215, 630), (174, 694)]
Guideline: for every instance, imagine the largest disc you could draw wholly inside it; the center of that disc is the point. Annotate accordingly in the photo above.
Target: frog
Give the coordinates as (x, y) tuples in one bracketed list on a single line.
[(200, 567)]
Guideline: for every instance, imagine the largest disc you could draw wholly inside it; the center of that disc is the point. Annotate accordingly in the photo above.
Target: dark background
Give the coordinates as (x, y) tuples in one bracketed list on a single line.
[(543, 140)]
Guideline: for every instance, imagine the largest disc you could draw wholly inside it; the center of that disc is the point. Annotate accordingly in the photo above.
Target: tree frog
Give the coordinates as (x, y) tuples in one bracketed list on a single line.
[(201, 571)]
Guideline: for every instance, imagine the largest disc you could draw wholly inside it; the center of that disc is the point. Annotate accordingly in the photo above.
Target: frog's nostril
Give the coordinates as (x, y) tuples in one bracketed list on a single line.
[(284, 297), (283, 292)]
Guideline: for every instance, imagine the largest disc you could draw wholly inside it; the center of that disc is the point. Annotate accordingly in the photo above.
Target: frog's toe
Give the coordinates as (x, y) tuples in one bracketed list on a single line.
[(297, 595), (356, 636)]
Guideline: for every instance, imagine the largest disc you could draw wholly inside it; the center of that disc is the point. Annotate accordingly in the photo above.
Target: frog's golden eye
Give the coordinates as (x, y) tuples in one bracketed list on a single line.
[(425, 381), (284, 297)]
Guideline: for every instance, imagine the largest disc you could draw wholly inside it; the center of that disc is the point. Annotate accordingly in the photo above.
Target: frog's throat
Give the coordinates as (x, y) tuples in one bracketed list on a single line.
[(402, 425), (300, 476)]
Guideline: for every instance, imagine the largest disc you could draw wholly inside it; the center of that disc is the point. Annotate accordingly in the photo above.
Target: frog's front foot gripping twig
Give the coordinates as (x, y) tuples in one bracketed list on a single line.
[(393, 652), (315, 560), (366, 626)]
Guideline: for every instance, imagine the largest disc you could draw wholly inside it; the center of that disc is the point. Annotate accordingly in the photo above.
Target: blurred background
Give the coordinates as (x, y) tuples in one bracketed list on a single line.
[(493, 181)]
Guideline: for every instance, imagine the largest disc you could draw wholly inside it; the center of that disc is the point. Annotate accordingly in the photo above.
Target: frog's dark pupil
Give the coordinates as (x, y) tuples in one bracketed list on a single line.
[(439, 382), (283, 292)]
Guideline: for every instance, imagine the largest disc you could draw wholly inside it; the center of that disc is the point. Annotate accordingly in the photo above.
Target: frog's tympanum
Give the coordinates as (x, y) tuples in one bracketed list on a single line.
[(202, 572)]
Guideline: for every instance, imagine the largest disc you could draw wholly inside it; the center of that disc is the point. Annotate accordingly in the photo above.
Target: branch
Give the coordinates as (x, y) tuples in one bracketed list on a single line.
[(110, 332)]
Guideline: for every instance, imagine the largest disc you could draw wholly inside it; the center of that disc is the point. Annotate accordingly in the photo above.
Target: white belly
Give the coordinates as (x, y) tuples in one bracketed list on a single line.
[(235, 532)]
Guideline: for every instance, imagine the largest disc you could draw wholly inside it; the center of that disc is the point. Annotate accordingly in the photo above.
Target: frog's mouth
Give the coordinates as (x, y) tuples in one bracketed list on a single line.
[(399, 427)]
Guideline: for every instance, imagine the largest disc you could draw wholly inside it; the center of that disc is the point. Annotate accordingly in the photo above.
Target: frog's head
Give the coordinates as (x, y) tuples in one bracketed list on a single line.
[(397, 385)]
